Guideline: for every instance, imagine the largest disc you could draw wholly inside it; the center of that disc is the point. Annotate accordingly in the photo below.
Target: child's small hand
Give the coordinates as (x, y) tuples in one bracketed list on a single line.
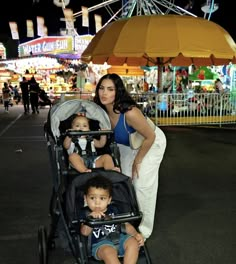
[(140, 239), (97, 214)]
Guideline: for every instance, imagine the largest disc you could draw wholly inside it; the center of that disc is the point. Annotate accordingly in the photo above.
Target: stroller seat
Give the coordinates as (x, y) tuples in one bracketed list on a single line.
[(124, 198), (89, 152)]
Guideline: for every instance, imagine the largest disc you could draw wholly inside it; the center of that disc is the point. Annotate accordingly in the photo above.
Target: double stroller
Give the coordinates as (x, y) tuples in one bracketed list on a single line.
[(63, 232)]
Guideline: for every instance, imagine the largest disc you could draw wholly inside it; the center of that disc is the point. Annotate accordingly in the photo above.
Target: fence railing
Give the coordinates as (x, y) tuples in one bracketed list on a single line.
[(189, 108), (180, 108)]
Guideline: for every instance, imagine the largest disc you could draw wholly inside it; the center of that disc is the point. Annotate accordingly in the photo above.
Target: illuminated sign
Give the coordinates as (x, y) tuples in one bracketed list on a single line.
[(81, 43), (46, 45)]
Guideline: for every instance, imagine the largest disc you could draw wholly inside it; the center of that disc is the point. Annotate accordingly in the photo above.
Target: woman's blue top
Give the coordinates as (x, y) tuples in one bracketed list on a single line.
[(121, 134)]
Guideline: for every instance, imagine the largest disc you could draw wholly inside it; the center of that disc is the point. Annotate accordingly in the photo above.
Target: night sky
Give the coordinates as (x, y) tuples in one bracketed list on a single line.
[(21, 10)]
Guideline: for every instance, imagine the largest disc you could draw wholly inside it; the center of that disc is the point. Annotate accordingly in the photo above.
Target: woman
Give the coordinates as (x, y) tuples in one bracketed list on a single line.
[(142, 164)]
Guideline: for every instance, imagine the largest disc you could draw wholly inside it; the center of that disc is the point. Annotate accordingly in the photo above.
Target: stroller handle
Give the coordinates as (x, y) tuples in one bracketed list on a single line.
[(113, 219), (78, 133)]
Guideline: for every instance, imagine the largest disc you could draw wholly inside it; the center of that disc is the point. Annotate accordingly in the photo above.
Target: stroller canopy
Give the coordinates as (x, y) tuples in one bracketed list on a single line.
[(63, 110)]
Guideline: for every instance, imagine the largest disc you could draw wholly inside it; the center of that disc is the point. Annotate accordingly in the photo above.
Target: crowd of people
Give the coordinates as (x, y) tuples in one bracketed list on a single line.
[(29, 92), (141, 165)]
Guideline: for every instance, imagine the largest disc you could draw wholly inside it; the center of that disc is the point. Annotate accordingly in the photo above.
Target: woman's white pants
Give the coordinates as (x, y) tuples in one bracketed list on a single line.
[(146, 185)]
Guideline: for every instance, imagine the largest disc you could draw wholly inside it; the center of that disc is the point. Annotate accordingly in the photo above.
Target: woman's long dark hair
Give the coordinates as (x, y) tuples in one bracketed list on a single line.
[(123, 100)]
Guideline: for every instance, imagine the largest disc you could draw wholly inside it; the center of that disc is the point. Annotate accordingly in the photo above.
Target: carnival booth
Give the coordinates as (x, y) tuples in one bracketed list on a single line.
[(53, 61)]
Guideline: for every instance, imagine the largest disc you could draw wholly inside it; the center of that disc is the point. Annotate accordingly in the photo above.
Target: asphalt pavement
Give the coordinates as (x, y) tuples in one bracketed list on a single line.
[(196, 208)]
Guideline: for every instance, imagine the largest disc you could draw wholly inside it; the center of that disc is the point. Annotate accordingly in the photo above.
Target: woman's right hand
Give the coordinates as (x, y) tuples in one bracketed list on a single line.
[(135, 169)]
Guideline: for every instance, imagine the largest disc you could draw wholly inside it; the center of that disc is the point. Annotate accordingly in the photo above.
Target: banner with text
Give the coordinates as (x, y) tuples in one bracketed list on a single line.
[(46, 45)]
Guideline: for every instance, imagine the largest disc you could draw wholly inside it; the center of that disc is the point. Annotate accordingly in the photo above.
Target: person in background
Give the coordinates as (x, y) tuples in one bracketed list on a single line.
[(141, 164), (10, 87), (43, 98), (6, 95), (51, 94), (16, 95), (98, 196), (85, 164), (219, 86), (34, 95), (145, 86), (24, 85)]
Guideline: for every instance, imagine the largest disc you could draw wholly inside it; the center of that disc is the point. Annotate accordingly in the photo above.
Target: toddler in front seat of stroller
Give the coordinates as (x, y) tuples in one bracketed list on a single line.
[(108, 241), (84, 163)]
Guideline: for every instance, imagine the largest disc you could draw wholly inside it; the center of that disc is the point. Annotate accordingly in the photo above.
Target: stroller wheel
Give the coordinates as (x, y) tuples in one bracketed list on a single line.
[(52, 245), (42, 244)]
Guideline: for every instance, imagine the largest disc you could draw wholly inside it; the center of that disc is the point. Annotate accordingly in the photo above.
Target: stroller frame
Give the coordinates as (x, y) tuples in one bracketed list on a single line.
[(67, 186)]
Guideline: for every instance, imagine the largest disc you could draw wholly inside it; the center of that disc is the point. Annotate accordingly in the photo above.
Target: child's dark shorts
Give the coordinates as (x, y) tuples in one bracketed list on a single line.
[(121, 250)]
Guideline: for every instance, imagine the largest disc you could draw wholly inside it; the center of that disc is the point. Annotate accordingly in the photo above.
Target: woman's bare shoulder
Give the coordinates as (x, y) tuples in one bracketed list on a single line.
[(135, 111), (134, 116)]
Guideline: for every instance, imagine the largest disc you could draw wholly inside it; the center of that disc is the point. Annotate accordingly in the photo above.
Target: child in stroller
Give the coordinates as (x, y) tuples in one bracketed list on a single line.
[(79, 145), (108, 241)]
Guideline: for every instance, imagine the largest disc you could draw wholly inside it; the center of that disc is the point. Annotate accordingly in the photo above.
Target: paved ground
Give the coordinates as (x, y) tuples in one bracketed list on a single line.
[(196, 212)]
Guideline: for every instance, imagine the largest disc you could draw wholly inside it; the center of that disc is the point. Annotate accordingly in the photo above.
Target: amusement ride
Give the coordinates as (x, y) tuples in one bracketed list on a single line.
[(126, 8)]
